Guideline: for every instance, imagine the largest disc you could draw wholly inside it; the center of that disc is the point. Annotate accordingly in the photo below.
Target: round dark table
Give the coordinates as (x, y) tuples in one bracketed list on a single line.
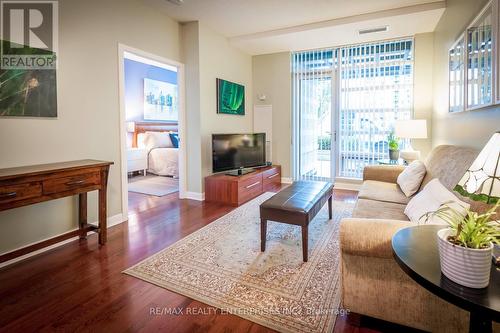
[(416, 251)]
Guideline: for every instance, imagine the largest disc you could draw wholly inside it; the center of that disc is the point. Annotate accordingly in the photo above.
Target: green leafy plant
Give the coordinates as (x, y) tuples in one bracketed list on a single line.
[(474, 231), (393, 141)]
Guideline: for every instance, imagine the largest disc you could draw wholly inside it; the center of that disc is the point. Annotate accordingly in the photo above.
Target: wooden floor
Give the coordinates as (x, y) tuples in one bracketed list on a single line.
[(80, 287)]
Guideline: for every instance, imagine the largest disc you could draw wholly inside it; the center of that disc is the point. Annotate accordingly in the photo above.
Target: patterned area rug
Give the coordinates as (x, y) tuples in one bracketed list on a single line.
[(221, 265)]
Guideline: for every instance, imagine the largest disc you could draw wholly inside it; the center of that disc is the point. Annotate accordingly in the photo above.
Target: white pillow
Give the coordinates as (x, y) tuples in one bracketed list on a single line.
[(430, 199), (157, 140), (410, 179)]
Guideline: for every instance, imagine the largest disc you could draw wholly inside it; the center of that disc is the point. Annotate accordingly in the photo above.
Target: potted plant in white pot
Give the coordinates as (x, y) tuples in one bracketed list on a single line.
[(465, 247)]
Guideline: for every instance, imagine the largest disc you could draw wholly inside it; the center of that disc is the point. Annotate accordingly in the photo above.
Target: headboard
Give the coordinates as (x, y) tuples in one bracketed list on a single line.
[(153, 127)]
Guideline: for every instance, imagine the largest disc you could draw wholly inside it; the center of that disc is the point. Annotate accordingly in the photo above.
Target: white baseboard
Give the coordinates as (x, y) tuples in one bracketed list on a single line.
[(286, 180), (112, 221), (194, 196)]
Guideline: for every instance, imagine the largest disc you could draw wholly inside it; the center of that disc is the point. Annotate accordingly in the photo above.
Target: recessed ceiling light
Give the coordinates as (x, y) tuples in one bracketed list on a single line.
[(176, 2), (373, 30)]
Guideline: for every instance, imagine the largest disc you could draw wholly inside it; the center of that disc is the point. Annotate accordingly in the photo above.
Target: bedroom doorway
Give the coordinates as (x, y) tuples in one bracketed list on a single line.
[(151, 125)]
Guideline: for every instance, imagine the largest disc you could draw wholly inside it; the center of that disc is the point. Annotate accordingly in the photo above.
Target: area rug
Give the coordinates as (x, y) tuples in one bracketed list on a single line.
[(153, 185), (221, 265)]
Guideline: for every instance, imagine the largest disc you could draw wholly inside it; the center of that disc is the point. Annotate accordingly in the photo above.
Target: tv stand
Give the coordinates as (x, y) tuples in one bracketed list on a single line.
[(237, 189), (239, 172)]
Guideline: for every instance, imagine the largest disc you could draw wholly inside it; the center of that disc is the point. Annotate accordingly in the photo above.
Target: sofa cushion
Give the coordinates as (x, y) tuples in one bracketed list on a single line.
[(448, 164), (382, 191), (373, 209)]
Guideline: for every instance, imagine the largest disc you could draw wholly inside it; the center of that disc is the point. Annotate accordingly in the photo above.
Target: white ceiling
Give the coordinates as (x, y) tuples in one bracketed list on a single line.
[(267, 26)]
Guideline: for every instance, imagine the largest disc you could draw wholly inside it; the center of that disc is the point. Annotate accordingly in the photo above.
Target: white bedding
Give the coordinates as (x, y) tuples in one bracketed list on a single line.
[(164, 161)]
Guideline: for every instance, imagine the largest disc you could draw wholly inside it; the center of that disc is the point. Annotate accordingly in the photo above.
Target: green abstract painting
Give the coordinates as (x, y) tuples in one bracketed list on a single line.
[(28, 92), (230, 97)]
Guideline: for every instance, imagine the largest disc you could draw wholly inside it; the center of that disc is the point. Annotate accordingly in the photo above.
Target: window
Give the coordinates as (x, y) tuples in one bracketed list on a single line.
[(473, 82), (356, 91)]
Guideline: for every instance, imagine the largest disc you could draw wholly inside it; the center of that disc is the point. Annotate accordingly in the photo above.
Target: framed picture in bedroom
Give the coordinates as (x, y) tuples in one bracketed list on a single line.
[(230, 98), (160, 101)]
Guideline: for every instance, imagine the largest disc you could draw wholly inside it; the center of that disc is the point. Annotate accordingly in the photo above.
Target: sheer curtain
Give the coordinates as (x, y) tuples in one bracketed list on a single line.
[(356, 91), (312, 109), (376, 89)]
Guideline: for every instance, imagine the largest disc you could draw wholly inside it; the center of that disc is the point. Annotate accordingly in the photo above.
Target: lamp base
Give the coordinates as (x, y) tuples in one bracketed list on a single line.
[(410, 155)]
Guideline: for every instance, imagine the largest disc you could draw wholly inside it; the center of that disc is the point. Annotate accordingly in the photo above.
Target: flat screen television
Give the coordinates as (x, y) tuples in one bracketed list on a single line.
[(238, 151)]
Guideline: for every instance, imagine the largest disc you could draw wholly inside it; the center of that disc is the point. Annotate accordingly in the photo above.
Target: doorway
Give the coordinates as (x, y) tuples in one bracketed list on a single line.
[(152, 125)]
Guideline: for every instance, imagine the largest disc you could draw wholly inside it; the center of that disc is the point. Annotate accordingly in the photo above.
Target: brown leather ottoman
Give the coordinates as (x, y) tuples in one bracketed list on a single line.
[(297, 204)]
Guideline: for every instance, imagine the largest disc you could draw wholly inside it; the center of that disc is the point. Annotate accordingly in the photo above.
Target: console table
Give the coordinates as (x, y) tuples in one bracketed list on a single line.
[(235, 190), (28, 185)]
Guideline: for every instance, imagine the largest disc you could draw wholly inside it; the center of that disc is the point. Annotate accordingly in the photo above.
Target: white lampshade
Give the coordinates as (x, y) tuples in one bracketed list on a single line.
[(482, 181), (130, 127), (411, 129)]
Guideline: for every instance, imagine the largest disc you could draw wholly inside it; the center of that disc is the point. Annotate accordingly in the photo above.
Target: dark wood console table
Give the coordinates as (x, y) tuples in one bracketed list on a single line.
[(28, 185)]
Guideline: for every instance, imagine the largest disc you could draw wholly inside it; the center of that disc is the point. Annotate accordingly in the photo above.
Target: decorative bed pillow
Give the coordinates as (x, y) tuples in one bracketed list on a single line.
[(174, 137), (430, 199), (410, 179), (157, 140)]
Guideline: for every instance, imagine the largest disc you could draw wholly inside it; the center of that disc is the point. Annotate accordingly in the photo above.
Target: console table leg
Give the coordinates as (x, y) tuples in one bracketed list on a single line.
[(263, 232), (102, 207), (82, 214), (479, 323)]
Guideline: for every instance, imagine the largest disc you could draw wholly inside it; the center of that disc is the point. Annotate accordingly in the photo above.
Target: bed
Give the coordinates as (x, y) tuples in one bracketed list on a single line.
[(163, 157)]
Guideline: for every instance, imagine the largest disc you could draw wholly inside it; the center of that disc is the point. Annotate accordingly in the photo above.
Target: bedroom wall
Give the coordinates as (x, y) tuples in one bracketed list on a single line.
[(87, 125), (135, 73), (470, 128)]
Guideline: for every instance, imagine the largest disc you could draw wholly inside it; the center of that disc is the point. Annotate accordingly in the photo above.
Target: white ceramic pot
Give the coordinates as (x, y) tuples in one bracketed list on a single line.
[(467, 267)]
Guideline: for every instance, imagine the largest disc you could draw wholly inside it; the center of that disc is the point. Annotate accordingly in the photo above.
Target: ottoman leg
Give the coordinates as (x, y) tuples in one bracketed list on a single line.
[(330, 207), (305, 242), (263, 232)]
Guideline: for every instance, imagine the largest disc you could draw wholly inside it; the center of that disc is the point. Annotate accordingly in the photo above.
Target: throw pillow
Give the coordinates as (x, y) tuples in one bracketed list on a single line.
[(410, 179), (174, 137), (430, 199), (157, 140)]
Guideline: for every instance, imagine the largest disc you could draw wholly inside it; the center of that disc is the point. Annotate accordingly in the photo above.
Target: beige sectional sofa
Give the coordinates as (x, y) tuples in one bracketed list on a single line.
[(373, 283)]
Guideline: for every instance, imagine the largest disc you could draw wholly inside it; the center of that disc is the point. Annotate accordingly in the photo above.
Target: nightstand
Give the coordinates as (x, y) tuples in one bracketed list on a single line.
[(137, 160)]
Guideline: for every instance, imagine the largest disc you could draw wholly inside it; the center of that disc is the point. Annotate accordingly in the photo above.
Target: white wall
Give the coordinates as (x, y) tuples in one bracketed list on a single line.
[(208, 56), (472, 128), (88, 108), (271, 76)]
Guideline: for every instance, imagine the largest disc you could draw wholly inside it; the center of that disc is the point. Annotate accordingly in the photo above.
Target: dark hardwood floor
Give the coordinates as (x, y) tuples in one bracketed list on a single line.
[(80, 287)]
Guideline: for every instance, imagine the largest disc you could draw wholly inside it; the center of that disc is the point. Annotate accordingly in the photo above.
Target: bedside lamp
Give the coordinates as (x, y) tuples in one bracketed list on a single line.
[(130, 127), (411, 129)]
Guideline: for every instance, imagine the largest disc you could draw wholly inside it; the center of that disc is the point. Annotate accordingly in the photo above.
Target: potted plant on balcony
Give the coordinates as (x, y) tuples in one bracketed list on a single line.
[(465, 248), (393, 146)]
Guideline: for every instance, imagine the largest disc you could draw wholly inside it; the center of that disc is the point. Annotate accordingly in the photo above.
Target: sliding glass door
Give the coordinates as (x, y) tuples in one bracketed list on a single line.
[(358, 92), (314, 126)]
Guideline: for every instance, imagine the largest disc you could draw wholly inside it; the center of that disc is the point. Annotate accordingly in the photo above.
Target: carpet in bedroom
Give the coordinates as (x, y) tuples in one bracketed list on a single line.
[(222, 265), (153, 185)]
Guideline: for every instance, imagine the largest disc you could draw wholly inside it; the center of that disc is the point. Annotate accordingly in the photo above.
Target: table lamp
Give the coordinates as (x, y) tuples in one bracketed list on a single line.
[(481, 181), (411, 129), (130, 127)]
